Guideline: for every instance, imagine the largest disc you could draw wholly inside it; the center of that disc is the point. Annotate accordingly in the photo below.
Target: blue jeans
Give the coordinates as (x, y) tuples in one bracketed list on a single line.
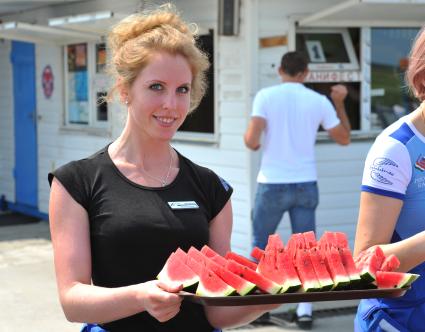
[(274, 199)]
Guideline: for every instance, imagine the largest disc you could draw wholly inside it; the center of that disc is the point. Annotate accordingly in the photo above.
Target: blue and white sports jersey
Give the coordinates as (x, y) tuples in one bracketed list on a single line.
[(395, 167)]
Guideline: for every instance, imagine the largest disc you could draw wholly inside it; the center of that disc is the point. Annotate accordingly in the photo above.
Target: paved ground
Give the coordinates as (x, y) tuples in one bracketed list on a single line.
[(28, 298)]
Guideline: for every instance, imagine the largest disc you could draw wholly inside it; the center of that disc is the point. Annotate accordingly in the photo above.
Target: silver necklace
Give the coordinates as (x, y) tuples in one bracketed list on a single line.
[(164, 180)]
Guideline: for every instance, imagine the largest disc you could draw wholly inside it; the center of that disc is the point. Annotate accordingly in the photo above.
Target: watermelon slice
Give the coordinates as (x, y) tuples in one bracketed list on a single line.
[(305, 269), (275, 242), (386, 279), (241, 260), (181, 255), (319, 266), (263, 283), (175, 271), (211, 285), (369, 262), (257, 253), (391, 263), (309, 239), (207, 251), (242, 286), (267, 268), (349, 266), (341, 240), (285, 265), (335, 267)]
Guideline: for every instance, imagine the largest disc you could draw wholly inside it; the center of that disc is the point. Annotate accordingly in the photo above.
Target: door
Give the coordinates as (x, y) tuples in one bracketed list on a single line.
[(23, 63)]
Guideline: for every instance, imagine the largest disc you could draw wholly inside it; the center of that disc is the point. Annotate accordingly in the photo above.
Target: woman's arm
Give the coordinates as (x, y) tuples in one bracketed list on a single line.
[(81, 301), (377, 219), (222, 317)]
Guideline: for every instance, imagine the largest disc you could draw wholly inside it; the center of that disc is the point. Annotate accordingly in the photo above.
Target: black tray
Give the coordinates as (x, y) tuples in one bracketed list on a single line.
[(294, 297)]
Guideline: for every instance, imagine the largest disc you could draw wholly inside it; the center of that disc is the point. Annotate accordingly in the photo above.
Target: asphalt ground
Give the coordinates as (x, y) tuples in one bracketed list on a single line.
[(28, 294)]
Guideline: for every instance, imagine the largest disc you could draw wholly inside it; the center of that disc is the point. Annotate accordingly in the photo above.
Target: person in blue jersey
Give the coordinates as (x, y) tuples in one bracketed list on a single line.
[(392, 209), (113, 215)]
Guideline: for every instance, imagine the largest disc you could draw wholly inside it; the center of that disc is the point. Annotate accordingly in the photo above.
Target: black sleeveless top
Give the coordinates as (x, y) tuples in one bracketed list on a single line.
[(133, 229)]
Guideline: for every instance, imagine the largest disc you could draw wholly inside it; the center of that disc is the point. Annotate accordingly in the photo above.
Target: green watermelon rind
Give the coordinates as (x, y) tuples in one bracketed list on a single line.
[(290, 286), (367, 276), (311, 286)]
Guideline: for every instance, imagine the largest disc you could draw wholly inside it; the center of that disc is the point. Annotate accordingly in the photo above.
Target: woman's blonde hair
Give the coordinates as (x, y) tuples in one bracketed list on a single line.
[(415, 73), (135, 39)]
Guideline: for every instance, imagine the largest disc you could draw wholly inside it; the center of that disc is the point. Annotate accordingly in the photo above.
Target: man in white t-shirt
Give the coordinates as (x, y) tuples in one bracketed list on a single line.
[(290, 115)]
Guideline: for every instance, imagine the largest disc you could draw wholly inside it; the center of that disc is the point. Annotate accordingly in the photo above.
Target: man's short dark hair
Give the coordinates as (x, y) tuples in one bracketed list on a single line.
[(293, 63)]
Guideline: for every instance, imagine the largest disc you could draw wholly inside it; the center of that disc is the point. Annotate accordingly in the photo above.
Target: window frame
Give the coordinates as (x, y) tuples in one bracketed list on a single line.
[(353, 63), (199, 137), (93, 123)]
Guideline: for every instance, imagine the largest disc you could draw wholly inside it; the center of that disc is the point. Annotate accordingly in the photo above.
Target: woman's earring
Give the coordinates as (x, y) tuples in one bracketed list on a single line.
[(126, 101)]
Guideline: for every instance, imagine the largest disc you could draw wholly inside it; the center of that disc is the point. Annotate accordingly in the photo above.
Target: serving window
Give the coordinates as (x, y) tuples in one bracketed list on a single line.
[(333, 59)]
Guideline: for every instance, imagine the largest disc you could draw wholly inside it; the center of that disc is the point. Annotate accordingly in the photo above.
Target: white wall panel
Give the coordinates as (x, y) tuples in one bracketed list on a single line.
[(7, 134)]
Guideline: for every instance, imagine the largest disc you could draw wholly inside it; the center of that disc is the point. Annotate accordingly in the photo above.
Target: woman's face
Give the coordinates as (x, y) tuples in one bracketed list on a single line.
[(159, 98)]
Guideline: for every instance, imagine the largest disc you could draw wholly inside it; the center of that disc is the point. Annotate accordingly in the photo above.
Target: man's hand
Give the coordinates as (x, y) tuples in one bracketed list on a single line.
[(338, 93)]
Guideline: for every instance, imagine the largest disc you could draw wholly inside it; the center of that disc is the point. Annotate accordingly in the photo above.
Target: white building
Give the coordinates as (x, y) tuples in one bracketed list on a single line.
[(51, 64)]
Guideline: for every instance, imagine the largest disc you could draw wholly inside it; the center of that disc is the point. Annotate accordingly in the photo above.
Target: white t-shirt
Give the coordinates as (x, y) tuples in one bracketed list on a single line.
[(293, 114)]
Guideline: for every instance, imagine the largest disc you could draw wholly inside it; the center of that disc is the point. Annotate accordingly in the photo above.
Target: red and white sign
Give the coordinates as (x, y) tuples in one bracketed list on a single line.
[(47, 81), (333, 76)]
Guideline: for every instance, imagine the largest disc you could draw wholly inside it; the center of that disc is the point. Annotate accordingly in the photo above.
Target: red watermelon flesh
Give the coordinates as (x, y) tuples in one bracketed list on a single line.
[(322, 273), (387, 279), (306, 273), (341, 240), (263, 283), (194, 265), (295, 242), (391, 263), (267, 268), (181, 254), (370, 262), (335, 267), (242, 286), (175, 271), (196, 255), (348, 262), (326, 240), (285, 264), (210, 253), (211, 285), (309, 239), (257, 253), (241, 260), (275, 241)]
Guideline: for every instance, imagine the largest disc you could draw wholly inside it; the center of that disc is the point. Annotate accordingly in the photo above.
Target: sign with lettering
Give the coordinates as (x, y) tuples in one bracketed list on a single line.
[(333, 76)]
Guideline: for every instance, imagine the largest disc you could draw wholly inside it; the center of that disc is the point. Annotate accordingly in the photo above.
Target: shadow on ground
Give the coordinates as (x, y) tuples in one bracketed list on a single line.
[(17, 226)]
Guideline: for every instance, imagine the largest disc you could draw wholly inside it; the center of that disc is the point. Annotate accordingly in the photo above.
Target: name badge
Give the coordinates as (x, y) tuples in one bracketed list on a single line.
[(183, 205)]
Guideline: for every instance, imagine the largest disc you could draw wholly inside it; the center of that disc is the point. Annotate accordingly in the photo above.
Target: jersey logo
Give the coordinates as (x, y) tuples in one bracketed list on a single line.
[(420, 163), (379, 170)]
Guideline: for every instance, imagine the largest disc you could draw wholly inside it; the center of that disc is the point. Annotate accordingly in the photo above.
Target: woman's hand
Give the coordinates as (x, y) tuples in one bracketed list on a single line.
[(160, 300)]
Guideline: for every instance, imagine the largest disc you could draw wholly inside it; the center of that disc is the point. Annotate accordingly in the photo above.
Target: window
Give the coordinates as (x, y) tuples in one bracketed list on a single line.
[(86, 85), (201, 122), (390, 96), (332, 55), (327, 49)]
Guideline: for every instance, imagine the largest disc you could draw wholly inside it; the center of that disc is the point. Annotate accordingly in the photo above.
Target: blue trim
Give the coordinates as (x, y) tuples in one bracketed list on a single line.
[(28, 210), (403, 134), (25, 123), (383, 192)]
